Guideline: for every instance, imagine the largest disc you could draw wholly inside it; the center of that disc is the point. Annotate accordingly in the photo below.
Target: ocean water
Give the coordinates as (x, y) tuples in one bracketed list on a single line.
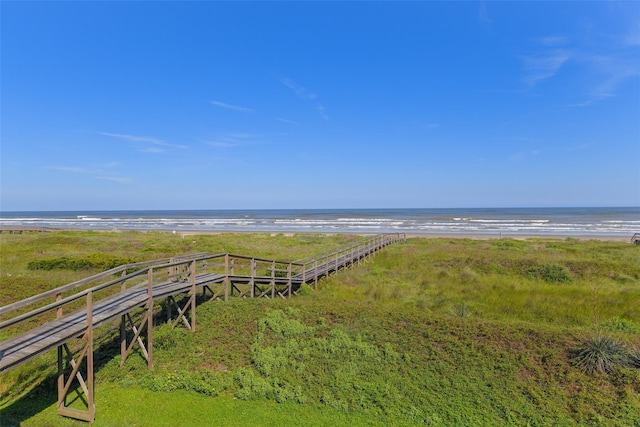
[(505, 221)]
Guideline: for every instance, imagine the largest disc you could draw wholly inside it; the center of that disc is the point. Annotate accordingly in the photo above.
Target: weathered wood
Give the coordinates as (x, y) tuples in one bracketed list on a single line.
[(88, 385)]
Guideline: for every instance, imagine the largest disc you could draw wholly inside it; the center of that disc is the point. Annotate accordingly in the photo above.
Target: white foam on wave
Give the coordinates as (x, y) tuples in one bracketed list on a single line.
[(524, 221), (566, 225)]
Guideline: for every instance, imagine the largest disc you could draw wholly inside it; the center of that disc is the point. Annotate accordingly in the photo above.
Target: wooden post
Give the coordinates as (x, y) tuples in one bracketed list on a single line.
[(273, 279), (123, 320), (304, 274), (353, 255), (150, 319), (226, 277), (192, 279), (59, 310), (315, 274), (90, 402), (252, 281), (60, 359), (289, 286), (88, 386)]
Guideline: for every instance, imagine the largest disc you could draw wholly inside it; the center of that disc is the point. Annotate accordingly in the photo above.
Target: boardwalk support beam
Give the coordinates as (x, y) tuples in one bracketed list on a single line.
[(64, 353), (147, 322)]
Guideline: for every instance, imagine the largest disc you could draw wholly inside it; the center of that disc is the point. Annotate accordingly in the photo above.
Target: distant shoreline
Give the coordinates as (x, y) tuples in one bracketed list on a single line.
[(617, 224), (439, 235)]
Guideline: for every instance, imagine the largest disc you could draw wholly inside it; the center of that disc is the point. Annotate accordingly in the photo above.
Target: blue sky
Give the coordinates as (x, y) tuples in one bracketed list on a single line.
[(215, 105)]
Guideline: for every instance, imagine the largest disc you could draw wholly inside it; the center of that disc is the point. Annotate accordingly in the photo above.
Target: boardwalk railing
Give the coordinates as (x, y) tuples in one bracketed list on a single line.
[(81, 306)]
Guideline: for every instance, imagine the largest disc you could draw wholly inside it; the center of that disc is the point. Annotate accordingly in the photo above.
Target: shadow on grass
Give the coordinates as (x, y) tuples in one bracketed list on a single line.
[(36, 389)]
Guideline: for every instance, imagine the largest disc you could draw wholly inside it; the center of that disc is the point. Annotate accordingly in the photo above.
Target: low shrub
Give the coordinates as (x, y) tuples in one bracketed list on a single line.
[(167, 337), (250, 384), (549, 273), (87, 262), (467, 275), (618, 324)]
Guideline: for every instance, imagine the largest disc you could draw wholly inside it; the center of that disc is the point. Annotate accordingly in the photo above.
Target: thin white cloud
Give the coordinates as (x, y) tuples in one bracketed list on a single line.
[(293, 122), (221, 144), (118, 179), (152, 150), (96, 173), (233, 139), (553, 40), (240, 135), (303, 93), (632, 38), (604, 64), (300, 91), (543, 65), (613, 72), (521, 156), (580, 147), (134, 138), (322, 111), (586, 103), (73, 169), (483, 14), (231, 107), (143, 140)]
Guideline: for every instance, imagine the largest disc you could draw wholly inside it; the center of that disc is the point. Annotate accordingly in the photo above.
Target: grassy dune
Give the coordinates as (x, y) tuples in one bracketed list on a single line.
[(431, 332)]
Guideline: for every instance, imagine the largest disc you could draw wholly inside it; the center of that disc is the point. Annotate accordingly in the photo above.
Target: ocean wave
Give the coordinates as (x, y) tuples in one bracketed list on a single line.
[(507, 221)]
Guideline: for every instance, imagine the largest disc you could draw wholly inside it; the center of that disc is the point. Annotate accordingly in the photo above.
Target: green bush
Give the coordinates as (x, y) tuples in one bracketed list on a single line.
[(467, 275), (549, 273), (290, 356), (87, 262), (250, 384), (618, 324), (167, 337)]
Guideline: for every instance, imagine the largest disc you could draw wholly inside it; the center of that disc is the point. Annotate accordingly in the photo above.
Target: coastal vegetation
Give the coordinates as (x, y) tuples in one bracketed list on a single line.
[(434, 331)]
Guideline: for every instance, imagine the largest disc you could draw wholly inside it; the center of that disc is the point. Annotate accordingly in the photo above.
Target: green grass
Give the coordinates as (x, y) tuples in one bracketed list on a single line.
[(431, 332), (135, 406)]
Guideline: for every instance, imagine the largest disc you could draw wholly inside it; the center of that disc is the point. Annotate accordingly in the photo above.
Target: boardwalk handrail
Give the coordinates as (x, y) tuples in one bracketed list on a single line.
[(142, 268), (74, 285), (382, 239)]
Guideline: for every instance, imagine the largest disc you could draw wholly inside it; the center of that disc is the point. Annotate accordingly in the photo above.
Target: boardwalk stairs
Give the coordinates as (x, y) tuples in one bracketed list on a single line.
[(79, 307)]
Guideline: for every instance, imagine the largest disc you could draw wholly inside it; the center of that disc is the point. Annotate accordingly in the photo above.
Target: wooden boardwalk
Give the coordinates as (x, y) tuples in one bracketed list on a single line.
[(116, 293)]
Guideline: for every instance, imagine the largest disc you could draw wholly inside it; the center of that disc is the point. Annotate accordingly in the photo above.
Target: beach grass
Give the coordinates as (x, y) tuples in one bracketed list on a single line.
[(430, 332)]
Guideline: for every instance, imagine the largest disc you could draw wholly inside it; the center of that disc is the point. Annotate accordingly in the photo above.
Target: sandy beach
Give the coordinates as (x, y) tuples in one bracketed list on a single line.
[(473, 236)]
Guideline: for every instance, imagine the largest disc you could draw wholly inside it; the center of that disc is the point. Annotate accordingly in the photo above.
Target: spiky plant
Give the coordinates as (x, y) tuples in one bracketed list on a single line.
[(461, 310), (600, 354), (634, 356)]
